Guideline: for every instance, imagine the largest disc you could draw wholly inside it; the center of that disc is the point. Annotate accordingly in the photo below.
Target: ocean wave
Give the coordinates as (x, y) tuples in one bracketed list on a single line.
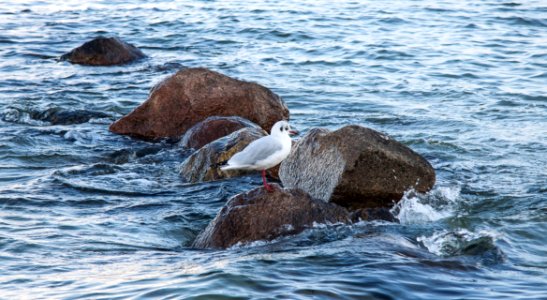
[(525, 21), (108, 179), (462, 242)]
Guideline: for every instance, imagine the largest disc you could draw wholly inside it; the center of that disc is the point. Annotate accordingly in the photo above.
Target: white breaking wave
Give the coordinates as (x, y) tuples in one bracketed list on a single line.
[(415, 208), (448, 243)]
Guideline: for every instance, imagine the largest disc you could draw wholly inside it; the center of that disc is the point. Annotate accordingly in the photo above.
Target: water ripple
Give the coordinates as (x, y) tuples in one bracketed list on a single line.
[(89, 214)]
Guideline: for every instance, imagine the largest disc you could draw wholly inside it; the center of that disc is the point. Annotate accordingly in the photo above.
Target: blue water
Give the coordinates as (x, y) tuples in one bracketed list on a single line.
[(86, 214)]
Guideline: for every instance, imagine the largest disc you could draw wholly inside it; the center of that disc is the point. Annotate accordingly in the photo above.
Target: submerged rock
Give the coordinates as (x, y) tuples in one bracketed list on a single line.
[(213, 128), (355, 167), (103, 51), (190, 96), (204, 164), (57, 116), (260, 215)]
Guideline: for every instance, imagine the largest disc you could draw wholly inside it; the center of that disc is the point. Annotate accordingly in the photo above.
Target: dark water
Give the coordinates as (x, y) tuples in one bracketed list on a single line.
[(85, 214)]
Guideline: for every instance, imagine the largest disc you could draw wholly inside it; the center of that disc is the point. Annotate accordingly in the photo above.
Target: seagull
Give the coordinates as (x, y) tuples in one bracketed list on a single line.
[(264, 153)]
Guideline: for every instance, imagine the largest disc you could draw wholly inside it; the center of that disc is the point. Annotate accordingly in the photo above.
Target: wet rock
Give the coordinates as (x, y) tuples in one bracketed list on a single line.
[(103, 51), (260, 215), (273, 173), (190, 96), (355, 167), (213, 128), (204, 164), (57, 116), (371, 214)]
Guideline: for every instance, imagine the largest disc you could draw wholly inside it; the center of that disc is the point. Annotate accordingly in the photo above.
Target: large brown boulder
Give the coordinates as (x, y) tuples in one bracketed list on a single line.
[(192, 95), (204, 164), (103, 51), (260, 215), (213, 128), (355, 167)]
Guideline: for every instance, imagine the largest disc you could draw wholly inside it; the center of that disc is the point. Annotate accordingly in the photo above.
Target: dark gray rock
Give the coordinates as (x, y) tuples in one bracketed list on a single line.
[(57, 116)]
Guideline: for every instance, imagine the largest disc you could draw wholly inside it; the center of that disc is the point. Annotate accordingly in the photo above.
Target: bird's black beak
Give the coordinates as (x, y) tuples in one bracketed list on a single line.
[(293, 132)]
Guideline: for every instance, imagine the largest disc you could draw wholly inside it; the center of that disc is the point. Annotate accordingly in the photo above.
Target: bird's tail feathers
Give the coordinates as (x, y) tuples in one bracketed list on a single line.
[(231, 167), (226, 168), (223, 165), (219, 164)]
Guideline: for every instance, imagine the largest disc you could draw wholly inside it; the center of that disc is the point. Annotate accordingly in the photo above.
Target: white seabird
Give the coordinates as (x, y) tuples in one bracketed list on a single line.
[(264, 153)]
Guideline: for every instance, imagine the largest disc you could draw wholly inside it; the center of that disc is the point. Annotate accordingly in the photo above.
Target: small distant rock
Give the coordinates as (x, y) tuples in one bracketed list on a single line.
[(260, 215), (103, 51), (355, 167), (213, 128), (203, 165), (192, 95)]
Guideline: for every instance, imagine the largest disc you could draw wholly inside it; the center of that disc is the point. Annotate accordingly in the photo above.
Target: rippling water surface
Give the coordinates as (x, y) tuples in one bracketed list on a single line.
[(86, 214)]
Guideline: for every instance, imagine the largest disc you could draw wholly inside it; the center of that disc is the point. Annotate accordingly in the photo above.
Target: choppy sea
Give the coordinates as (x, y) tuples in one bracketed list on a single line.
[(87, 214)]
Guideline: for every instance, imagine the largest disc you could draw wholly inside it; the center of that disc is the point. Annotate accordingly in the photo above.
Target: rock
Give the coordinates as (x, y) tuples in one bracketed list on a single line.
[(203, 165), (190, 96), (259, 215), (213, 128), (273, 173), (103, 51), (371, 214), (57, 116), (355, 167)]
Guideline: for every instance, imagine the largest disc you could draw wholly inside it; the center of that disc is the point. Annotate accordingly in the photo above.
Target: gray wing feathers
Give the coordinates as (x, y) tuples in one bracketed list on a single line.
[(256, 151)]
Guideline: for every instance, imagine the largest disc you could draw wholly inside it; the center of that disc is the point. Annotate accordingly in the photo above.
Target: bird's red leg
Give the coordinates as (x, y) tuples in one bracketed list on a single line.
[(268, 187)]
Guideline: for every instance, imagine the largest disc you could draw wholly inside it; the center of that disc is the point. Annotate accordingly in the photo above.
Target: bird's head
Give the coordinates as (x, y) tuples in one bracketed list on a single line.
[(283, 128)]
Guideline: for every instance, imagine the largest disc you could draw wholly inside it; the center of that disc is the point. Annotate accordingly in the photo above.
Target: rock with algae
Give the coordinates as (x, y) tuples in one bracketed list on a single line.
[(204, 164)]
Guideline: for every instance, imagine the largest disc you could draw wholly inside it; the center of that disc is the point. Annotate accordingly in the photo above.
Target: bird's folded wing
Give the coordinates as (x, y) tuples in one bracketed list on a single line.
[(257, 151)]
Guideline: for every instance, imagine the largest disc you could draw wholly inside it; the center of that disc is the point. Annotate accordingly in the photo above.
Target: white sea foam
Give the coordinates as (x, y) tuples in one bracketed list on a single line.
[(438, 204), (447, 243), (19, 116)]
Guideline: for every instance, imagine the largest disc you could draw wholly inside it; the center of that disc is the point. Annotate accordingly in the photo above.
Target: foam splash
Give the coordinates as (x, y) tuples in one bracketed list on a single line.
[(19, 116), (459, 242), (415, 208)]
